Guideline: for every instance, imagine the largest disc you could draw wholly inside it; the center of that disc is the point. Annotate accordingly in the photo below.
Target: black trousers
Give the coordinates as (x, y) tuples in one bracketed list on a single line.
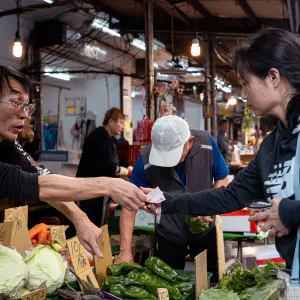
[(94, 209), (174, 254)]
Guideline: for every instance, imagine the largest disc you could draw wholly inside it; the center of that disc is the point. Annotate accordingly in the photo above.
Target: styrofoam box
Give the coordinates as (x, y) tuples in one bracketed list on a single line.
[(237, 221)]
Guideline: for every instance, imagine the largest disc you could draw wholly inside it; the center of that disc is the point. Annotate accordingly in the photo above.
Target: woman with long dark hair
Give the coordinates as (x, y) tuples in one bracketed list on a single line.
[(268, 65)]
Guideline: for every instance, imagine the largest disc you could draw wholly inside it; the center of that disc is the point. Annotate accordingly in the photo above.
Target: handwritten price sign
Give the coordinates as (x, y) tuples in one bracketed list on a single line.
[(163, 294), (81, 263), (75, 247), (58, 235), (39, 294)]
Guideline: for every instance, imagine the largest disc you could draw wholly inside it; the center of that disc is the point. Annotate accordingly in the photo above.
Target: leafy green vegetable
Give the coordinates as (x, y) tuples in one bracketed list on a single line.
[(268, 292), (238, 280), (13, 272), (218, 294)]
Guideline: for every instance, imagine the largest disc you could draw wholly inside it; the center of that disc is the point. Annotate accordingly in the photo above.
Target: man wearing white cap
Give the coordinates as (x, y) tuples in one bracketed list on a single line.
[(178, 161)]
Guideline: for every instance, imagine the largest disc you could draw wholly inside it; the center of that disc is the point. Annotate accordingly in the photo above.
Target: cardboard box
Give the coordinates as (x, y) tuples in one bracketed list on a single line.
[(237, 221)]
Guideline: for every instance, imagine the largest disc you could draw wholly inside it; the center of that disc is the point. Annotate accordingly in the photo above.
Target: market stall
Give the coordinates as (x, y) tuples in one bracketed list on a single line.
[(41, 263)]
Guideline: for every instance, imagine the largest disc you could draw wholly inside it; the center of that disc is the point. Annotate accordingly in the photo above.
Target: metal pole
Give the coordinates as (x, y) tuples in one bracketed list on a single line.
[(213, 90), (149, 59), (290, 12), (58, 117), (207, 100)]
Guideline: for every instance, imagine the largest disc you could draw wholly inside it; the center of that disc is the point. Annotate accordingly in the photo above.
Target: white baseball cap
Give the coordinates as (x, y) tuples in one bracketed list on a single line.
[(169, 135)]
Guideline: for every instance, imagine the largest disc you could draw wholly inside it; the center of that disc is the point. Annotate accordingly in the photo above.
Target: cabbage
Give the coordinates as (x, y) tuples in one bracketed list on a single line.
[(44, 264), (22, 293), (13, 272)]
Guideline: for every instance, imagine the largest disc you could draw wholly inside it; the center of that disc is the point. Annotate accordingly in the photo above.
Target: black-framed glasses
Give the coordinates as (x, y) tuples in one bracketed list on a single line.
[(19, 107)]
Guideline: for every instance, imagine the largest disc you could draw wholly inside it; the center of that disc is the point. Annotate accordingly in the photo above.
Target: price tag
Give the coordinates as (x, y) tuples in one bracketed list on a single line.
[(163, 294), (201, 273), (9, 211), (102, 263), (57, 234), (75, 247), (89, 274), (20, 236), (5, 233), (39, 294), (81, 263)]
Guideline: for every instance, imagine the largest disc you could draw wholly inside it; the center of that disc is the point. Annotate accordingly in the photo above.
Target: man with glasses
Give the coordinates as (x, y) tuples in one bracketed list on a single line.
[(20, 178), (179, 160)]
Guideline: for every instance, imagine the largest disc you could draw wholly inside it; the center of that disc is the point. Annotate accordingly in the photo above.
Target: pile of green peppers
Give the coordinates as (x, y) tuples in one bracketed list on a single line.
[(132, 281), (197, 225)]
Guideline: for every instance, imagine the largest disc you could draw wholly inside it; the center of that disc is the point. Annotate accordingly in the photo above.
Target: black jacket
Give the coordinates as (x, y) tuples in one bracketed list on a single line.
[(18, 173), (269, 175), (99, 156)]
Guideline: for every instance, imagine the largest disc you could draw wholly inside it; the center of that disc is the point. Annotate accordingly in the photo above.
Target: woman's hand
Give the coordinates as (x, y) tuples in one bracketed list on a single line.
[(274, 223)]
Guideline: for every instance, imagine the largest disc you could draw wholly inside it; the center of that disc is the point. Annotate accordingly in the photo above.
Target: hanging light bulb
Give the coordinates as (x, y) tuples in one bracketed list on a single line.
[(17, 47), (232, 101), (195, 48)]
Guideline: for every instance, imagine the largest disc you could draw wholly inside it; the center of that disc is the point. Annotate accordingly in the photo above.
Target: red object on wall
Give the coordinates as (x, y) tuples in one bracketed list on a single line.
[(143, 132)]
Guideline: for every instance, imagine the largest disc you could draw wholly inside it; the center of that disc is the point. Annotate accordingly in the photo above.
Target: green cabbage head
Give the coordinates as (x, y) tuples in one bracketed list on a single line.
[(44, 264), (13, 272)]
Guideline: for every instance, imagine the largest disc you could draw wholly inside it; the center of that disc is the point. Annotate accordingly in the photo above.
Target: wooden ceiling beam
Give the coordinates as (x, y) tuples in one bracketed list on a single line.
[(201, 9), (247, 10)]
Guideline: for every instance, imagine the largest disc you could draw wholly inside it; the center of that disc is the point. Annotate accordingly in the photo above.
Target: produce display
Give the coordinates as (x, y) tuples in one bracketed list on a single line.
[(197, 225), (258, 284), (132, 281)]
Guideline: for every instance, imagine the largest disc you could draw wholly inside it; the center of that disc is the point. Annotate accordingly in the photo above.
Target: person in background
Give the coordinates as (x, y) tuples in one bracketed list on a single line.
[(22, 179), (223, 142), (100, 157), (178, 160), (268, 65)]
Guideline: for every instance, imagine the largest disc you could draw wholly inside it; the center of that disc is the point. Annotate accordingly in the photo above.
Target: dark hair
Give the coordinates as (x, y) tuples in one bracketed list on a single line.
[(115, 114), (7, 72), (223, 122), (266, 49)]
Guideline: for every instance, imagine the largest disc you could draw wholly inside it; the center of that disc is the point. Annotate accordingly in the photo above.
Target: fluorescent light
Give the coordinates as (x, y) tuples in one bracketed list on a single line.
[(61, 76), (139, 44), (103, 26), (133, 94), (49, 1)]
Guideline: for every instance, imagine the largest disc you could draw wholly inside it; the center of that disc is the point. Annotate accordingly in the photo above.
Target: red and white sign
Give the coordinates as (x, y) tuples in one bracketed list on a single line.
[(237, 221)]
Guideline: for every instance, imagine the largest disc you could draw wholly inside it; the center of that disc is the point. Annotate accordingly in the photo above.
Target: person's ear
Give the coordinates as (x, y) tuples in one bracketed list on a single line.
[(273, 78)]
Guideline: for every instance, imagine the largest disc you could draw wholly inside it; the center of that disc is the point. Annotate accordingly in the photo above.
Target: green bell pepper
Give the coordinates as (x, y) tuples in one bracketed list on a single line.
[(132, 292), (153, 284), (197, 225), (123, 268), (152, 297), (185, 287), (183, 278), (112, 280), (160, 268), (117, 290), (136, 293)]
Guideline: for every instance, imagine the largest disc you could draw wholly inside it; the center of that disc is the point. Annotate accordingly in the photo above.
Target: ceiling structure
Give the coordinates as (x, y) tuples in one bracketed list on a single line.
[(176, 22)]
